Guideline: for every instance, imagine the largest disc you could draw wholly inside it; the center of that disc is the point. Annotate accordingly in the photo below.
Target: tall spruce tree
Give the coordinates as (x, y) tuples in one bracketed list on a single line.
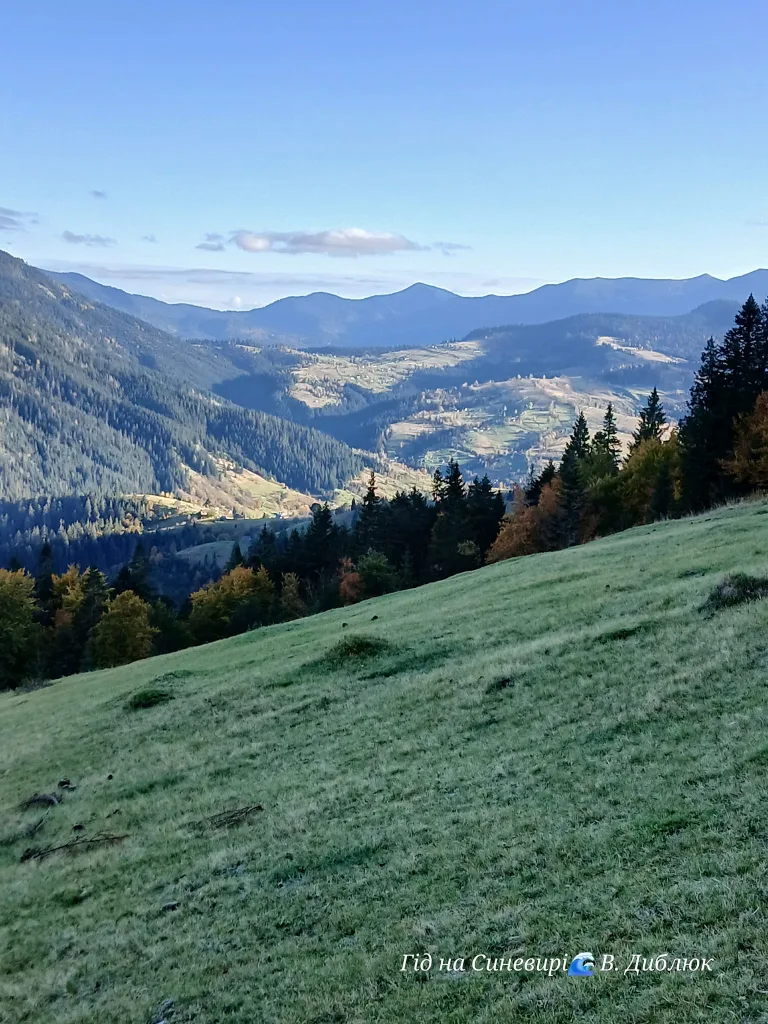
[(368, 524), (730, 378), (576, 452), (606, 447), (652, 421)]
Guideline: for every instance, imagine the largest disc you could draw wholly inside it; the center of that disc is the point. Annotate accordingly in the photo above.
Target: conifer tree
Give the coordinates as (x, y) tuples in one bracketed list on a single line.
[(91, 607), (438, 486), (454, 491), (367, 526), (235, 558), (572, 486), (44, 584), (652, 421)]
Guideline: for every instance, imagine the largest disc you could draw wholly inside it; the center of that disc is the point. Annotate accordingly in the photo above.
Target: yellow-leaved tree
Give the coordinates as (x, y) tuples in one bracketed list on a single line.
[(122, 634)]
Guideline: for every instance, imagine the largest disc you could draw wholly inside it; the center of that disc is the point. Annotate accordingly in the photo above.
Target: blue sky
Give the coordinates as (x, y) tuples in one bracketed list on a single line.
[(359, 147)]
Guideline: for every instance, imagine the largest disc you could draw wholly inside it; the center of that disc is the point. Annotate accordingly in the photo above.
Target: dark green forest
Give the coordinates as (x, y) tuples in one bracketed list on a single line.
[(93, 401)]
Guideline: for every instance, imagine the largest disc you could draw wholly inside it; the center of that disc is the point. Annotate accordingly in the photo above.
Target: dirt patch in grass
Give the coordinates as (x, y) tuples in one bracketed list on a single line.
[(148, 698), (738, 588)]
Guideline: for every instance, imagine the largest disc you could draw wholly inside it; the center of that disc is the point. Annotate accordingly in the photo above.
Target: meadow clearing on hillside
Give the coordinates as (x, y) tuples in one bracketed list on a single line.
[(549, 755)]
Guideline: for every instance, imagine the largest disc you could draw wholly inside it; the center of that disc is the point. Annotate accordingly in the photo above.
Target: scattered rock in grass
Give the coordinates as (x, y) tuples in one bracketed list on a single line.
[(110, 776), (170, 906), (148, 698), (344, 625), (374, 617), (737, 588), (78, 827), (65, 784)]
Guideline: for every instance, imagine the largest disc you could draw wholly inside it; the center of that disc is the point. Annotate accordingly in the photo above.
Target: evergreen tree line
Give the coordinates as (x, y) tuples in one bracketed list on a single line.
[(57, 623), (718, 452)]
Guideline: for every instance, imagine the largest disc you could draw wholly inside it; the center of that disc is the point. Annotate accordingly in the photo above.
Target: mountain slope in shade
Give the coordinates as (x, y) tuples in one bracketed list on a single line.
[(421, 314)]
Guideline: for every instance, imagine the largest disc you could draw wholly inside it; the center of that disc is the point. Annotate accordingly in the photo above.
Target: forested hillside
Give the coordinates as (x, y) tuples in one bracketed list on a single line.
[(94, 401)]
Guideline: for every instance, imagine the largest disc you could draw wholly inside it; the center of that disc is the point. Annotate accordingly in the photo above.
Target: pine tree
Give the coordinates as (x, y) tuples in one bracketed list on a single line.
[(454, 491), (576, 452), (652, 421), (235, 558), (485, 510), (44, 584), (438, 486), (91, 606), (726, 387), (611, 438), (367, 526)]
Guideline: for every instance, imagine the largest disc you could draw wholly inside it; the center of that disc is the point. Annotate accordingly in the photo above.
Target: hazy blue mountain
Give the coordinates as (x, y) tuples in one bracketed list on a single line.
[(422, 314)]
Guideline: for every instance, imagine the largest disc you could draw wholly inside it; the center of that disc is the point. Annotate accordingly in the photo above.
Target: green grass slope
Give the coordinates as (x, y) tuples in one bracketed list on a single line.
[(546, 756)]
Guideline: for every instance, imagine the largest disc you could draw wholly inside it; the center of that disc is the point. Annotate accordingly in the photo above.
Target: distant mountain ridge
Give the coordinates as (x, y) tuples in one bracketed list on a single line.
[(421, 314)]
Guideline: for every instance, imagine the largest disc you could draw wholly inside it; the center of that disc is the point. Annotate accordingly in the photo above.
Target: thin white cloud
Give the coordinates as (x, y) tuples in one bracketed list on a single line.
[(339, 242), (99, 241), (98, 194), (149, 238), (343, 242), (16, 220)]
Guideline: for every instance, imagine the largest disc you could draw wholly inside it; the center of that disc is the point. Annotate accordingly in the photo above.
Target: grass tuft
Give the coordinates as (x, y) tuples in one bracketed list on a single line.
[(737, 588), (355, 648), (148, 698)]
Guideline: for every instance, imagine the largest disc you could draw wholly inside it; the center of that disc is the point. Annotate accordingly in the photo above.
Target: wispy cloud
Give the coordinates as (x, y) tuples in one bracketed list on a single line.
[(449, 248), (212, 243), (760, 222), (149, 238), (98, 241), (16, 220), (339, 242), (98, 194)]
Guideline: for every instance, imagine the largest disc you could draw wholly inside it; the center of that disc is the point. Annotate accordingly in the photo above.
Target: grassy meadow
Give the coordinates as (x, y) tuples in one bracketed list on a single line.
[(550, 755)]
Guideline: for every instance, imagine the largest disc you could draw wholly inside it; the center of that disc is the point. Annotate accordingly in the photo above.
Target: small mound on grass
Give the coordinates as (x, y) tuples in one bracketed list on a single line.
[(737, 588), (354, 648), (148, 698)]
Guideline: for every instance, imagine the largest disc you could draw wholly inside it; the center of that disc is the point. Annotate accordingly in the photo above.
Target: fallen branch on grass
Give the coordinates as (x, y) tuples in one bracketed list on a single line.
[(229, 818), (103, 838)]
